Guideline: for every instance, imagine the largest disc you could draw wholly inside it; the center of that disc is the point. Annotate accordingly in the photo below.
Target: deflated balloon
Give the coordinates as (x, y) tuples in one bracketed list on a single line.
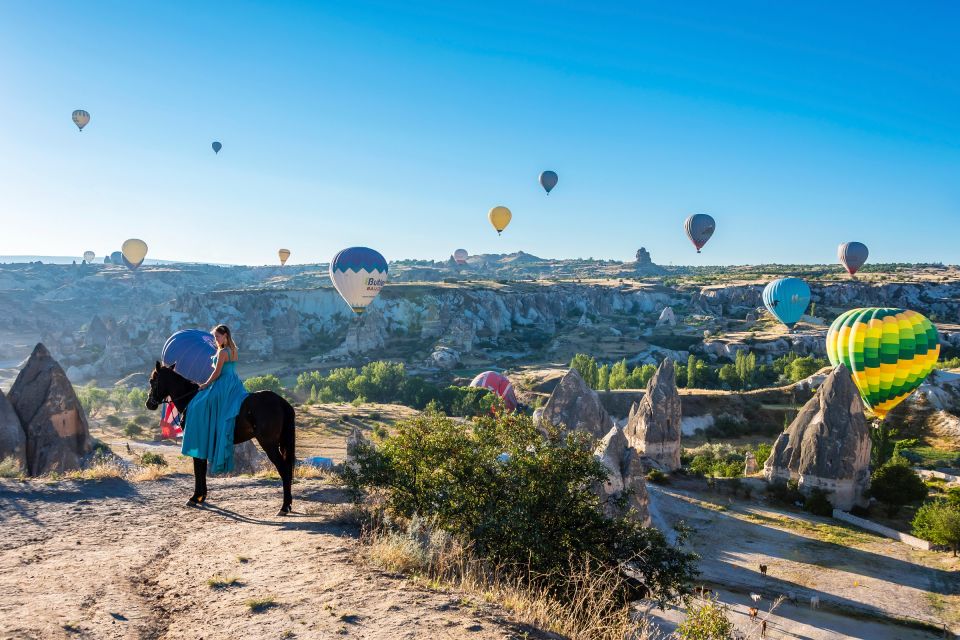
[(134, 251), (460, 256), (500, 217), (500, 385), (191, 350), (216, 147), (81, 118), (284, 254), (359, 274), (787, 299), (889, 352), (699, 228), (852, 255), (89, 256), (548, 180)]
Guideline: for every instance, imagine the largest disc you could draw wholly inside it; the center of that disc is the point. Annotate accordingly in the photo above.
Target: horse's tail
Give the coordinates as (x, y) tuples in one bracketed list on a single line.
[(288, 435)]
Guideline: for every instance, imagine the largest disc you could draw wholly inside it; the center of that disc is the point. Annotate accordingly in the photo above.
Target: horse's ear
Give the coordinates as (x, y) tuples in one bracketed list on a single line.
[(173, 367), (158, 365)]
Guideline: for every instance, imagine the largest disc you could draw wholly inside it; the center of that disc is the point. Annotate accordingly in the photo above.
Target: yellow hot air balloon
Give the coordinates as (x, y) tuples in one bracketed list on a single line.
[(284, 254), (890, 352), (500, 217), (134, 251)]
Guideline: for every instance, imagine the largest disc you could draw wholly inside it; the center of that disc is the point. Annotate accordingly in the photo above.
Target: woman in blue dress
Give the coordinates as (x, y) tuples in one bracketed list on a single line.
[(211, 415)]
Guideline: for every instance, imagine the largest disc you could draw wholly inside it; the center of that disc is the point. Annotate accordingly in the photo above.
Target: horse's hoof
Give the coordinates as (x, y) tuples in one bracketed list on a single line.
[(196, 501), (284, 511)]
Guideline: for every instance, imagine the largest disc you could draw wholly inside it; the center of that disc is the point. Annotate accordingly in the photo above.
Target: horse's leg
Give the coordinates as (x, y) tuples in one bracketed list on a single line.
[(199, 483), (273, 452)]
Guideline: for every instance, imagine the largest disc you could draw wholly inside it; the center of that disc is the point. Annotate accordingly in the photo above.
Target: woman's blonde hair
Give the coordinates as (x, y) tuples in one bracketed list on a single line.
[(224, 330)]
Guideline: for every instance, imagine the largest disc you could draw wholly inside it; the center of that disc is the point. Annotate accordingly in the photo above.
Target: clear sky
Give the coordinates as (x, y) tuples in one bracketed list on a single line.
[(397, 125)]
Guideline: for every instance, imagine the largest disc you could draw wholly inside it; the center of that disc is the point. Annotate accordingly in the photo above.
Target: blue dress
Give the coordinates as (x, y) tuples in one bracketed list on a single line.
[(211, 418)]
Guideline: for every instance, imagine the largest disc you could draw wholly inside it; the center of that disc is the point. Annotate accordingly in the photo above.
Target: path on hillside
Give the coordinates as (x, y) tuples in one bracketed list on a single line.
[(113, 559), (876, 577)]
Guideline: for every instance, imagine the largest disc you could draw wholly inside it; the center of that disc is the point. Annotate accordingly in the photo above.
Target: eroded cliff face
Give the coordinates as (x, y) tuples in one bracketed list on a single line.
[(105, 322)]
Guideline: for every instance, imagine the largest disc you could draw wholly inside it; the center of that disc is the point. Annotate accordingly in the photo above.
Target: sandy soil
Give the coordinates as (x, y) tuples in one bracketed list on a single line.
[(113, 559), (855, 574)]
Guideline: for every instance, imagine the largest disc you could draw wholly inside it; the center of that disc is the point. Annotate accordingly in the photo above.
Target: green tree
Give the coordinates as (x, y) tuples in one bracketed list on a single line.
[(586, 366), (805, 367), (603, 377), (882, 443), (707, 621), (379, 381), (762, 453), (728, 376), (640, 376), (532, 510), (268, 382), (938, 522), (618, 375), (896, 484), (746, 366)]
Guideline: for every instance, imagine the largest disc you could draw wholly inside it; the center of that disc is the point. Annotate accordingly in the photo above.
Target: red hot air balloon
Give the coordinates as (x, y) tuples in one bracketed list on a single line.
[(500, 385)]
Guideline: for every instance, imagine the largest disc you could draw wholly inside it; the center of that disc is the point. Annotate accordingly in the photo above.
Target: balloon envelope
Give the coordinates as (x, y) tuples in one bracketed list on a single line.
[(358, 273), (116, 258), (699, 228), (89, 256), (548, 180), (889, 352), (216, 147), (787, 299), (192, 351), (134, 251), (500, 385), (852, 255), (81, 118), (500, 217), (460, 256), (284, 255)]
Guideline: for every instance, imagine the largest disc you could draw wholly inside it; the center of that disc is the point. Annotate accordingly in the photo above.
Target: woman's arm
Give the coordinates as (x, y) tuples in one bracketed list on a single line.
[(221, 358)]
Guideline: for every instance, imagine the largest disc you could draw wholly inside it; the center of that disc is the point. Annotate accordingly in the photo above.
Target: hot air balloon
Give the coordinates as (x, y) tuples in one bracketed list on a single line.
[(889, 352), (133, 251), (548, 180), (699, 228), (460, 256), (284, 254), (787, 299), (500, 385), (216, 146), (358, 273), (81, 118), (116, 258), (852, 255), (500, 217), (89, 256), (192, 351)]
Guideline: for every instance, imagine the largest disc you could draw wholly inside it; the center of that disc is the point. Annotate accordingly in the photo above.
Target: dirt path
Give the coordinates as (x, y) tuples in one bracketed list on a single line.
[(112, 559), (855, 574)]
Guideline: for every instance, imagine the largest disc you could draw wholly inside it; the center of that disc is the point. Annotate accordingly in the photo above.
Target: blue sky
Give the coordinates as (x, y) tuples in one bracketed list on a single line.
[(398, 125)]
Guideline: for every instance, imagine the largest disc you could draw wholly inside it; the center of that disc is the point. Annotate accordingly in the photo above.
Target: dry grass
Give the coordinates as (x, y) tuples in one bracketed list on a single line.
[(219, 582), (10, 468), (259, 605), (149, 473), (99, 471), (591, 610)]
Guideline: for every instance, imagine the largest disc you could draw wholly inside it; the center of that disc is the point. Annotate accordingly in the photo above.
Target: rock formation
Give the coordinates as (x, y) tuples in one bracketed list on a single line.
[(653, 427), (643, 257), (13, 441), (575, 406), (626, 474), (248, 458), (667, 318), (56, 429), (828, 444), (750, 464)]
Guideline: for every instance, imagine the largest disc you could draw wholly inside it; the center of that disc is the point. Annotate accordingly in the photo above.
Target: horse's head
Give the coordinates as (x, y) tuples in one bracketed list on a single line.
[(160, 385)]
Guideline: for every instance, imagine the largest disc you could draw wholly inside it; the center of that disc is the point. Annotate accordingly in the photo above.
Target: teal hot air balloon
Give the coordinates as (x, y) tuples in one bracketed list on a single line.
[(787, 299), (216, 147), (548, 180)]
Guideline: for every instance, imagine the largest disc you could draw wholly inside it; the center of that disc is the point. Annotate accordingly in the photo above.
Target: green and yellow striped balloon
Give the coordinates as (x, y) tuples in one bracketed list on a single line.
[(889, 351)]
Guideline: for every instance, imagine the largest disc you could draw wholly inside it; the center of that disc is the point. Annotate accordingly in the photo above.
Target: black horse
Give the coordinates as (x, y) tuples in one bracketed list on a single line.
[(263, 415)]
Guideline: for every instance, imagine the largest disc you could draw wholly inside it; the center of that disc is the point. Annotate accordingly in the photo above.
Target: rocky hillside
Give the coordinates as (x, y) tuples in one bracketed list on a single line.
[(103, 322)]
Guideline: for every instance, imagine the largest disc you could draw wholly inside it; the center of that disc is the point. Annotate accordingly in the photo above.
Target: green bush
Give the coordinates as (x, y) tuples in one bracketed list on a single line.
[(113, 420), (92, 399), (787, 493), (657, 477), (149, 458), (137, 398), (817, 502), (532, 510), (132, 430), (707, 621), (762, 452), (938, 522), (144, 420), (896, 484), (715, 460), (268, 382)]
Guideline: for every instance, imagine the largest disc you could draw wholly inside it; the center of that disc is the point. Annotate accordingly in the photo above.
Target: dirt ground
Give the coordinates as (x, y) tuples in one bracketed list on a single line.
[(114, 559), (856, 575)]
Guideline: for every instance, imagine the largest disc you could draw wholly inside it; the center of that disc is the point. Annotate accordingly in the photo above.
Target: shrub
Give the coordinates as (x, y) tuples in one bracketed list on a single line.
[(533, 511), (149, 458), (707, 621), (818, 503), (268, 382), (762, 452), (113, 420), (137, 398), (785, 492), (132, 429), (938, 522), (721, 460), (658, 477), (896, 484), (144, 420)]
